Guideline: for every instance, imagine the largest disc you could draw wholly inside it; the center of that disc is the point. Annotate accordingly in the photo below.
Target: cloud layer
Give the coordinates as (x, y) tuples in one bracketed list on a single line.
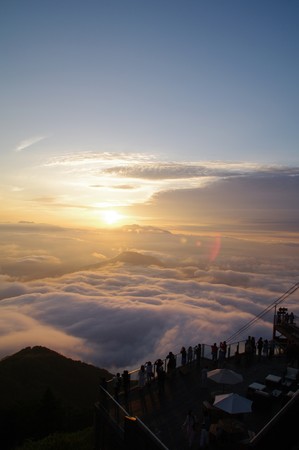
[(123, 311), (76, 188)]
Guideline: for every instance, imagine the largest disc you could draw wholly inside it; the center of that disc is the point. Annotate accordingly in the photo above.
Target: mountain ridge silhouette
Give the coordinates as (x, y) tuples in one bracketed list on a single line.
[(42, 391), (25, 374)]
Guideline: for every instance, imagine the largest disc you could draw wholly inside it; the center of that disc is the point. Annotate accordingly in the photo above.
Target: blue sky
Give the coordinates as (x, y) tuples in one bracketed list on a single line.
[(157, 81), (189, 80)]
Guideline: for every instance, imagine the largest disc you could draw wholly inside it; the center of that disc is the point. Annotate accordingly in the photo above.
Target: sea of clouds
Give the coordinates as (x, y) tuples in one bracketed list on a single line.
[(71, 291)]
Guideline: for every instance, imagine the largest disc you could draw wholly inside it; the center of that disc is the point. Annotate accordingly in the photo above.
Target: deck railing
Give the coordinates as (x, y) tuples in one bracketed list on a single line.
[(111, 415), (115, 427), (232, 349)]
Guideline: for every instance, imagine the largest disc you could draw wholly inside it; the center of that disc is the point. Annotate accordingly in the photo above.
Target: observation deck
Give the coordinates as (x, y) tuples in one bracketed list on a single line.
[(150, 419), (285, 329)]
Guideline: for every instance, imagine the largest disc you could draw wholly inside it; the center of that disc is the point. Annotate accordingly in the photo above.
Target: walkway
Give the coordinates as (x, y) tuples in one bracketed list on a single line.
[(165, 413)]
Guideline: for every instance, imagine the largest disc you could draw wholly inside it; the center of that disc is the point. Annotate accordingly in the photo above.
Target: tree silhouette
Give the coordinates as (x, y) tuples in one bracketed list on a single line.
[(50, 414)]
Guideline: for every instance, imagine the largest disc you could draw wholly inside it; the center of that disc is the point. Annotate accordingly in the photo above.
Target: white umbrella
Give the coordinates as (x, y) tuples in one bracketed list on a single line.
[(225, 376), (233, 403)]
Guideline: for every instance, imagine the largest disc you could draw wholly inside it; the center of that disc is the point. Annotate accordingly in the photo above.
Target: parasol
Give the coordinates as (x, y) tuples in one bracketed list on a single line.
[(233, 403), (225, 376)]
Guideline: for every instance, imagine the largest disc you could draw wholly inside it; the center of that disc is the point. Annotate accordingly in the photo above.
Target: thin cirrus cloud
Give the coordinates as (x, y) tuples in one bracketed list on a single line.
[(148, 170), (26, 143), (140, 165)]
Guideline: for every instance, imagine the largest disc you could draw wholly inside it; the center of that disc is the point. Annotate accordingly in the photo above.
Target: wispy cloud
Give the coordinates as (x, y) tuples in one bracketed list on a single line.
[(146, 175), (154, 190), (137, 166), (26, 143), (105, 158)]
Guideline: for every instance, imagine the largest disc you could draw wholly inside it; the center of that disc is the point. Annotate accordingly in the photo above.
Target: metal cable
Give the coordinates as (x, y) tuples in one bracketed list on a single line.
[(276, 302)]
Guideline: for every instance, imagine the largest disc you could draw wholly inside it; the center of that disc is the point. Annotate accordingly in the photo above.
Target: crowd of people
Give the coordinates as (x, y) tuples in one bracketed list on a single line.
[(157, 371), (253, 351), (283, 316)]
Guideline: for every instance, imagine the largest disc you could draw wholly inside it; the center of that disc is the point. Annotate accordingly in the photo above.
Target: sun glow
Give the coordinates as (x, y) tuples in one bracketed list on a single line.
[(110, 216)]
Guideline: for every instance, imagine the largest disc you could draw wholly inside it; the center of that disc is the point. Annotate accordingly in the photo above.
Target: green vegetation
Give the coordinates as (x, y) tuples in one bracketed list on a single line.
[(80, 440), (45, 395)]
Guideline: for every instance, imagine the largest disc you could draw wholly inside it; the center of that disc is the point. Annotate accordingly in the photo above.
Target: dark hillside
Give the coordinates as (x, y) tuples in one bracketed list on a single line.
[(42, 391)]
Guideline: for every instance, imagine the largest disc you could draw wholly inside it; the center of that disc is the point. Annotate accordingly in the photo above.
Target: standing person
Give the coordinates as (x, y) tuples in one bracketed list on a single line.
[(116, 386), (292, 318), (259, 345), (189, 427), (126, 384), (159, 365), (149, 372), (204, 436), (171, 365), (198, 354), (248, 351), (253, 344), (184, 356), (214, 351), (141, 376), (271, 348), (266, 348), (190, 354), (222, 352)]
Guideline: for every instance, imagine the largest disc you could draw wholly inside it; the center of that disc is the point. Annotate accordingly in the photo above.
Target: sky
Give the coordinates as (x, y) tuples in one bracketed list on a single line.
[(167, 128)]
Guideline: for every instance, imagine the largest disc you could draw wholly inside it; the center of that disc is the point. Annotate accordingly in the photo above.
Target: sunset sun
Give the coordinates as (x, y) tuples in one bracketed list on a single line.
[(111, 217)]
